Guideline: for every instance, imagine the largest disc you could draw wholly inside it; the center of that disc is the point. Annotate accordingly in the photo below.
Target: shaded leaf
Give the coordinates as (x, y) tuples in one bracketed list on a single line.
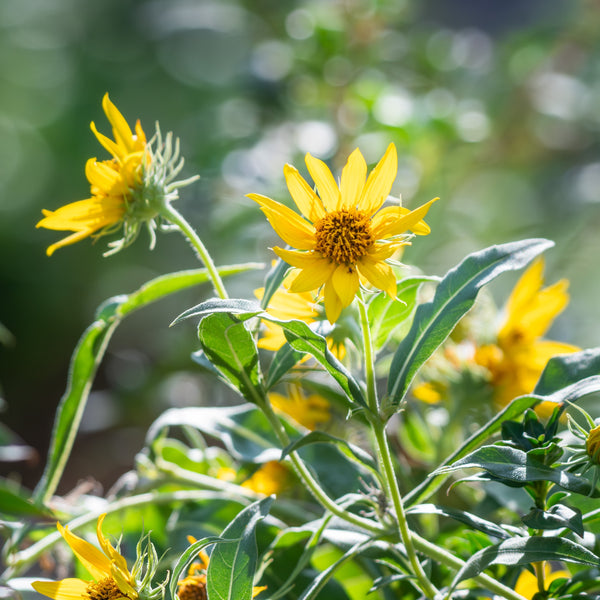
[(285, 359), (233, 306), (556, 517)]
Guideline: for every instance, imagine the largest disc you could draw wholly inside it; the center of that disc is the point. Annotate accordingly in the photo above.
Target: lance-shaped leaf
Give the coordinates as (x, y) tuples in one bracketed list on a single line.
[(285, 359), (523, 551), (243, 309), (518, 467), (454, 297), (556, 517), (578, 372), (232, 565), (232, 349), (88, 355)]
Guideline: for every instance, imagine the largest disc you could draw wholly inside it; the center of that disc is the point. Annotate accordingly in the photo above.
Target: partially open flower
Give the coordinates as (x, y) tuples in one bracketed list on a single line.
[(127, 191), (111, 578)]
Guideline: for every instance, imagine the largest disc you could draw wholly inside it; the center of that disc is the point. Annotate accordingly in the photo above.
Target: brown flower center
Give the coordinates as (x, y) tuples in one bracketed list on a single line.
[(194, 588), (344, 235), (105, 589)]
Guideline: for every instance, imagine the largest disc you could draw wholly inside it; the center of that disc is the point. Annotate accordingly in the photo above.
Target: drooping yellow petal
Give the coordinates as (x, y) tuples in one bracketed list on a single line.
[(379, 183), (388, 223), (288, 225), (391, 214), (66, 589), (333, 304), (70, 239), (305, 198), (121, 130), (91, 558), (92, 213), (328, 189), (345, 283), (353, 178), (313, 276), (378, 274)]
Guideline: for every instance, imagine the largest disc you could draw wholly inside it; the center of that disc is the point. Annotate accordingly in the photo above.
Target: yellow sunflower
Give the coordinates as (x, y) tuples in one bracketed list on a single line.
[(270, 478), (518, 357), (112, 579), (309, 411), (343, 236), (112, 183), (527, 583), (193, 587)]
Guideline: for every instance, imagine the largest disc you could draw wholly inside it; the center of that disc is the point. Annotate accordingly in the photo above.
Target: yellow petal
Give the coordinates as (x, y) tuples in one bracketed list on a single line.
[(114, 149), (313, 276), (297, 259), (328, 189), (392, 221), (306, 200), (379, 274), (257, 590), (104, 178), (288, 225), (70, 239), (121, 130), (333, 304), (353, 180), (345, 283), (91, 558), (379, 183), (391, 214), (66, 589), (90, 214)]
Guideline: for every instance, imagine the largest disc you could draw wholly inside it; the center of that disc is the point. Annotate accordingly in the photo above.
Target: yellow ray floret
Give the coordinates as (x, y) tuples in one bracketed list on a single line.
[(111, 577), (342, 237)]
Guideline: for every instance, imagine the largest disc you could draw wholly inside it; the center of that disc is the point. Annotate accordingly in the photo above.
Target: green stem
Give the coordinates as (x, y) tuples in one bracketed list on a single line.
[(311, 483), (176, 218), (384, 455)]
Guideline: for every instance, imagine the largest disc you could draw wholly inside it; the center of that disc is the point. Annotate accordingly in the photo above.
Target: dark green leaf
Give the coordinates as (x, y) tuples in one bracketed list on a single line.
[(232, 349), (303, 339), (463, 517), (556, 517), (232, 565), (523, 551), (285, 359), (273, 281), (515, 466), (578, 372), (454, 296), (15, 502)]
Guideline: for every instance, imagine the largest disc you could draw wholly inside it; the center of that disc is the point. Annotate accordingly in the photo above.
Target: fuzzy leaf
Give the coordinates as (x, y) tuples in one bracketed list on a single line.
[(556, 517)]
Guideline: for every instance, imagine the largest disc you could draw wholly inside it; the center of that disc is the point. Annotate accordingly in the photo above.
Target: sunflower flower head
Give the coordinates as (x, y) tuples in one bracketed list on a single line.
[(127, 191), (585, 450), (309, 411), (518, 357), (343, 236), (527, 583), (111, 578), (270, 478), (193, 587)]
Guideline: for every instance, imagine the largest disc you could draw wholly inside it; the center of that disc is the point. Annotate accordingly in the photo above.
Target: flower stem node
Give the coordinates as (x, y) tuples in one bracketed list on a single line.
[(130, 190)]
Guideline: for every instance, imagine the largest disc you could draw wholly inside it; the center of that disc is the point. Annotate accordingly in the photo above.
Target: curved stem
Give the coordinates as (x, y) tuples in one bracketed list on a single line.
[(176, 218), (311, 483)]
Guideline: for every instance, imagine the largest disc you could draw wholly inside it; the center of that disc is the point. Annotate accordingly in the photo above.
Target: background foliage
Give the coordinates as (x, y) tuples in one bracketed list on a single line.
[(494, 106)]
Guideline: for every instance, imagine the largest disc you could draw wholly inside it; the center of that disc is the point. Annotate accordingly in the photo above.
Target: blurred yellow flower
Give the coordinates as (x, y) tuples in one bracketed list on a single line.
[(592, 445), (111, 577), (519, 355), (309, 411), (112, 183), (343, 236), (271, 478), (193, 587), (527, 583)]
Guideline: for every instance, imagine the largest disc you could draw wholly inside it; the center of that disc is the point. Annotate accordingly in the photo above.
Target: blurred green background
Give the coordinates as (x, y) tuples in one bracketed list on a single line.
[(494, 105)]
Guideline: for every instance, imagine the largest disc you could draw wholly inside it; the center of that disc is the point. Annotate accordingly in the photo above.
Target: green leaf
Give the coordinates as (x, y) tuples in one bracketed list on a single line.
[(523, 551), (556, 517), (244, 309), (273, 281), (186, 558), (320, 437), (16, 502), (285, 359), (303, 339), (462, 516), (578, 372), (232, 349), (244, 430), (516, 466), (386, 314), (88, 355), (455, 295), (232, 566)]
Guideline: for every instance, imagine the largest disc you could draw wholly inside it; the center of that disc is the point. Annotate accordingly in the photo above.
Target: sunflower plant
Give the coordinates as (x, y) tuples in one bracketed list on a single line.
[(391, 436)]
